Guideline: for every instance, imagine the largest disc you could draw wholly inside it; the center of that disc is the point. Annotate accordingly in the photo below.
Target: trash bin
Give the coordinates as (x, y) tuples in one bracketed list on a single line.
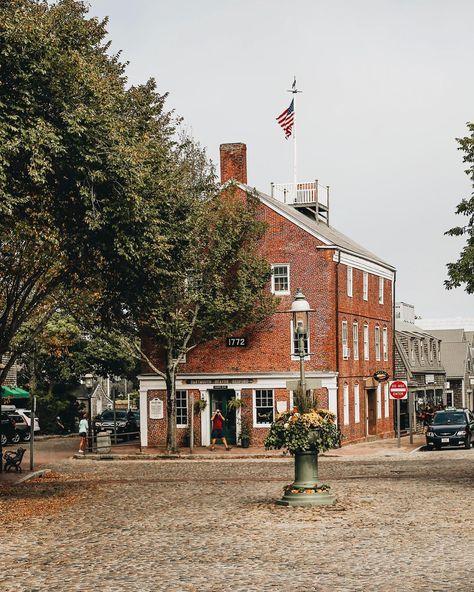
[(104, 444)]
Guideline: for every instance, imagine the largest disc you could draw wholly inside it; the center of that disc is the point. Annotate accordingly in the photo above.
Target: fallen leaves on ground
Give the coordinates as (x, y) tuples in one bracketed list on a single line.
[(43, 495)]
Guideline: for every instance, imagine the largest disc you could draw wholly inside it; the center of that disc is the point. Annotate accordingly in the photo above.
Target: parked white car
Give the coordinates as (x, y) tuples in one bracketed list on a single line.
[(26, 414)]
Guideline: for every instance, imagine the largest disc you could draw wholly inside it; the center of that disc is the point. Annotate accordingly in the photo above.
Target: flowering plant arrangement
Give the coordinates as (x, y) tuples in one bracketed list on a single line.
[(298, 432)]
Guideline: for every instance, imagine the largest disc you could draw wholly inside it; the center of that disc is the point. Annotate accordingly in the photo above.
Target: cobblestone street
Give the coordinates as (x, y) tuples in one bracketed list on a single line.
[(212, 526)]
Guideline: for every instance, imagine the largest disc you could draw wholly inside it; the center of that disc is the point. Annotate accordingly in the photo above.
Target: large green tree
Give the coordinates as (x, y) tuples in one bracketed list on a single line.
[(462, 271), (77, 151)]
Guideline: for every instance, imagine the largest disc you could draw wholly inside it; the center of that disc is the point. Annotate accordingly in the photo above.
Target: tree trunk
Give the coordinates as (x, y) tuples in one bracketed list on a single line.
[(171, 410)]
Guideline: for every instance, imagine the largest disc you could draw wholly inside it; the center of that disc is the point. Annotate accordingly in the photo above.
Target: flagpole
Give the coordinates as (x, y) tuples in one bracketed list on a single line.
[(294, 146), (294, 92)]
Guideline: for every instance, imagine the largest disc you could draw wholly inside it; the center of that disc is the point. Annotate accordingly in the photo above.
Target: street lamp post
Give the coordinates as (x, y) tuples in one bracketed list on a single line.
[(89, 384), (300, 311), (306, 461)]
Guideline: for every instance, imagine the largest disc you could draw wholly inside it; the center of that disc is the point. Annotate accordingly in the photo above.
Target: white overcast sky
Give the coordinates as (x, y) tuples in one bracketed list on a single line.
[(387, 87)]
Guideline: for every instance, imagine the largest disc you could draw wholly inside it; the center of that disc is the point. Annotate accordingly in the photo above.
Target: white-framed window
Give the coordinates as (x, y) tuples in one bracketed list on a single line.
[(385, 343), (379, 401), (349, 281), (181, 409), (356, 403), (381, 286), (345, 341), (366, 342), (280, 278), (431, 348), (377, 343), (355, 339), (439, 351), (345, 394), (263, 408), (386, 399), (412, 349), (365, 285), (422, 350), (295, 344)]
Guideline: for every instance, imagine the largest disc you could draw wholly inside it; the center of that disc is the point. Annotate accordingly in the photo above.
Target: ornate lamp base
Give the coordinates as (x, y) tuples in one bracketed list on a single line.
[(305, 491)]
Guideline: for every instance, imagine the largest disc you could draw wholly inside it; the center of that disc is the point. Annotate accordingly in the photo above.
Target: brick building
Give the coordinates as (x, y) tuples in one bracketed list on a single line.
[(350, 291)]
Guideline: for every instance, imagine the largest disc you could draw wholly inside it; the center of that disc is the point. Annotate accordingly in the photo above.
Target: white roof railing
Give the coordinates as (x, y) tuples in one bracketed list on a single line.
[(310, 193)]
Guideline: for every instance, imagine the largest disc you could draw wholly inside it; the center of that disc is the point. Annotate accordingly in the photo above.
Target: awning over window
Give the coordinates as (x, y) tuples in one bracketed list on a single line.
[(10, 392)]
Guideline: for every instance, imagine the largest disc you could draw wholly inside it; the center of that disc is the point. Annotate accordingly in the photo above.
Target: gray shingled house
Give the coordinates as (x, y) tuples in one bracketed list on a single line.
[(419, 361), (457, 357)]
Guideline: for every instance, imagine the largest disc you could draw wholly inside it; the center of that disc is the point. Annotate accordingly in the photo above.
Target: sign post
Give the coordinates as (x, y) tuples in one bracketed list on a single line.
[(398, 390)]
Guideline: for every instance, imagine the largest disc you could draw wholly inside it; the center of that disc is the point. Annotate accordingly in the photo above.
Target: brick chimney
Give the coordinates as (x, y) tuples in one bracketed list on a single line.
[(233, 162)]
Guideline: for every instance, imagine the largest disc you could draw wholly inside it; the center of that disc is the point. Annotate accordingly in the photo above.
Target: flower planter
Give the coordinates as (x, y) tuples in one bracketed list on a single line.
[(305, 435), (305, 490), (245, 442)]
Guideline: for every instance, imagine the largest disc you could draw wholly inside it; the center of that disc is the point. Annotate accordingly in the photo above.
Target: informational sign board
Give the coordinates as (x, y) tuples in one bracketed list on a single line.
[(398, 389), (156, 409), (281, 407)]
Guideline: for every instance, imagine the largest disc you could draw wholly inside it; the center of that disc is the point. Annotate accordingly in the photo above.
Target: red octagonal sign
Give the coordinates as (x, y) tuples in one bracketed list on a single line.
[(398, 389)]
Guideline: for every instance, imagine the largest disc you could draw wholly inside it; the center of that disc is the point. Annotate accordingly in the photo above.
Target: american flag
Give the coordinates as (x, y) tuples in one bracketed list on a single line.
[(287, 118)]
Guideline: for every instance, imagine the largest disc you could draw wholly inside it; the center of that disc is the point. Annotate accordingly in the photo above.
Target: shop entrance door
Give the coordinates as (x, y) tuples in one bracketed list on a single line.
[(219, 399), (371, 412)]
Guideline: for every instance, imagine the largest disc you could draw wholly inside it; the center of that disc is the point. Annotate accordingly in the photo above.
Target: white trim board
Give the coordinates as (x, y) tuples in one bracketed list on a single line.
[(363, 264)]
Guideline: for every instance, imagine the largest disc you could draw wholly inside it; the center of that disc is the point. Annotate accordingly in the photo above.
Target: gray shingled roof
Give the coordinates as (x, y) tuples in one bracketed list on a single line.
[(448, 335), (454, 356), (412, 330), (329, 234)]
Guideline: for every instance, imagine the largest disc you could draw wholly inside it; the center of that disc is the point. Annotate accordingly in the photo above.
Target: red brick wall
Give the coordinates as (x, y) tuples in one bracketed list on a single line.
[(269, 347), (372, 313), (157, 427)]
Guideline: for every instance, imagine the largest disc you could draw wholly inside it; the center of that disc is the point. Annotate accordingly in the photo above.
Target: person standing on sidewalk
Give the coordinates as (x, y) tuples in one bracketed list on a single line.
[(217, 430), (83, 431)]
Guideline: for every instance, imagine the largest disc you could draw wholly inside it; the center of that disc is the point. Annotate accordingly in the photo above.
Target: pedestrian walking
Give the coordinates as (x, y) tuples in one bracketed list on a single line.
[(218, 430), (83, 431)]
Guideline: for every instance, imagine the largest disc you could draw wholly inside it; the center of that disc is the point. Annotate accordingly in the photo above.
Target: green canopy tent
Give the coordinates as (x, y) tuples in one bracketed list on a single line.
[(14, 392)]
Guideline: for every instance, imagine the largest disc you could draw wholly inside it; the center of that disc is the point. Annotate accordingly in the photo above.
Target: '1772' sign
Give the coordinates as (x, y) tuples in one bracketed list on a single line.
[(236, 341)]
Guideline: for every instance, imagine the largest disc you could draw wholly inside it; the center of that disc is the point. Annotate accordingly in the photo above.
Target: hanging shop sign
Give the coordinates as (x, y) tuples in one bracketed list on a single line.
[(380, 375)]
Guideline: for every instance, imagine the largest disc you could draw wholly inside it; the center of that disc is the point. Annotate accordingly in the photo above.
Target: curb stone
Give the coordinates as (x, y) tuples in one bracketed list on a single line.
[(39, 473)]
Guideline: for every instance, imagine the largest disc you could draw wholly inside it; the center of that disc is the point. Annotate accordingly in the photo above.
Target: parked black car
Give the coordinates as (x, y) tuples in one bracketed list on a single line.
[(21, 426), (7, 430), (450, 427), (125, 421)]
